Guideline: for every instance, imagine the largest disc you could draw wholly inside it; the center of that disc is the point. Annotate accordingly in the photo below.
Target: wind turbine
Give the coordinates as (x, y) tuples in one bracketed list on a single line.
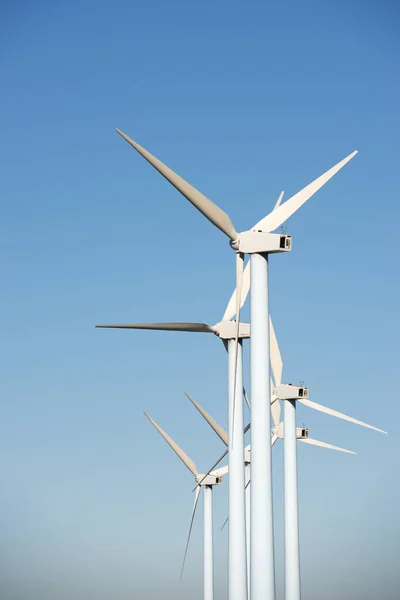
[(226, 331), (259, 242), (291, 394), (207, 484), (222, 434)]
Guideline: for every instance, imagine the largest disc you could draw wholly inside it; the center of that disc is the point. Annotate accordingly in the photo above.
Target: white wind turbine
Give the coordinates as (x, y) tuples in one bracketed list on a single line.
[(291, 394), (259, 242), (226, 331), (212, 478), (222, 434)]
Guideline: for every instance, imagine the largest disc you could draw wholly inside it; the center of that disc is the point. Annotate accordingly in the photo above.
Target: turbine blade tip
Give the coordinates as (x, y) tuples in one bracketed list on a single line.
[(149, 418)]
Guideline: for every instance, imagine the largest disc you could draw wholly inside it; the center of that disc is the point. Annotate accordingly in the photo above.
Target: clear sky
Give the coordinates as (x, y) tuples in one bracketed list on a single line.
[(243, 99)]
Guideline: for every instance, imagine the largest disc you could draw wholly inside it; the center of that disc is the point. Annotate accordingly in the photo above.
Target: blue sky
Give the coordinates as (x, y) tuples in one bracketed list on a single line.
[(243, 100)]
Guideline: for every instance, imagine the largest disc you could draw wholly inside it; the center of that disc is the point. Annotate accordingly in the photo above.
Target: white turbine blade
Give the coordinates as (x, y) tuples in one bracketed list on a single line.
[(273, 439), (221, 433), (275, 355), (224, 523), (211, 211), (194, 327), (339, 415), (285, 210), (276, 412), (230, 311), (324, 445), (220, 458), (178, 451), (275, 406), (239, 281), (220, 472), (212, 468), (196, 499), (278, 202), (246, 397)]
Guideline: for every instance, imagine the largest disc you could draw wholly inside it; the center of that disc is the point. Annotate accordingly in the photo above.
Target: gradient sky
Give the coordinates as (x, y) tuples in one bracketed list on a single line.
[(243, 99)]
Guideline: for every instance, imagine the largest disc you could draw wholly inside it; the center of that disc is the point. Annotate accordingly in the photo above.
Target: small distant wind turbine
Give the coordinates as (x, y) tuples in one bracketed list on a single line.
[(259, 242), (213, 478), (291, 394), (222, 434)]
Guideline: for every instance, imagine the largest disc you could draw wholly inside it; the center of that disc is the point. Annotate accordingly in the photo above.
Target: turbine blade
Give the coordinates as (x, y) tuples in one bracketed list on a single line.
[(230, 311), (178, 451), (221, 433), (275, 355), (224, 523), (212, 469), (211, 211), (273, 439), (196, 499), (324, 445), (286, 210), (276, 412), (339, 415), (275, 406), (246, 397), (278, 202), (195, 327), (239, 281), (220, 472)]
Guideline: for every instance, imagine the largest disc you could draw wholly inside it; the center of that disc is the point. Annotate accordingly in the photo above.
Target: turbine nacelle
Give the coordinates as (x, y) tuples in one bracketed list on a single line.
[(210, 479), (226, 330), (257, 241), (287, 391), (301, 432)]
